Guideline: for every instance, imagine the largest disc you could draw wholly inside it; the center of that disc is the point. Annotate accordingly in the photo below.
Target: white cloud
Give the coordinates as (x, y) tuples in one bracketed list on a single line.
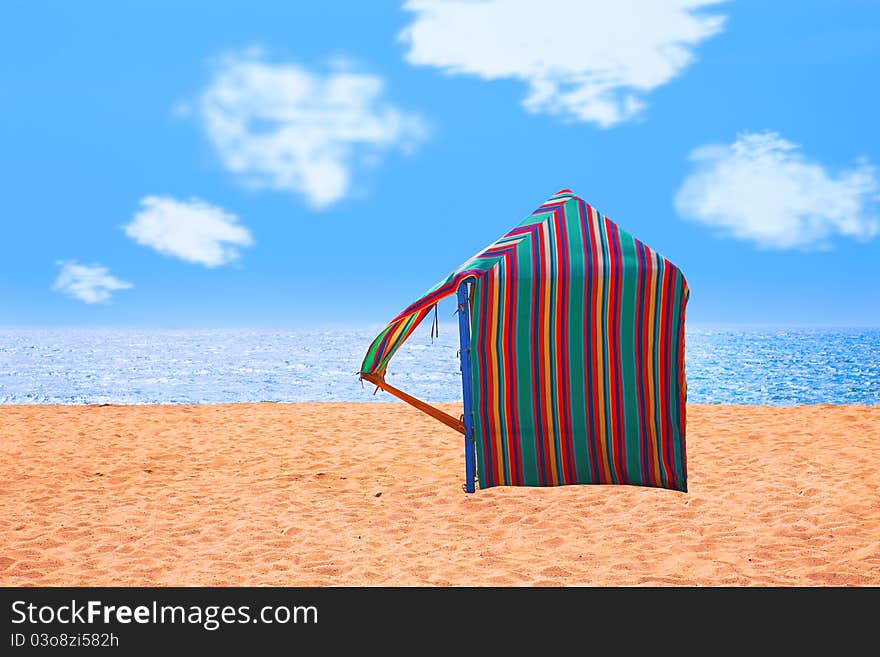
[(89, 283), (763, 189), (281, 126), (586, 60), (190, 230)]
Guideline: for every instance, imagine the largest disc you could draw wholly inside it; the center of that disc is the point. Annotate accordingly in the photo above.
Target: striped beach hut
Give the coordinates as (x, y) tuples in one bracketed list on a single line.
[(572, 355)]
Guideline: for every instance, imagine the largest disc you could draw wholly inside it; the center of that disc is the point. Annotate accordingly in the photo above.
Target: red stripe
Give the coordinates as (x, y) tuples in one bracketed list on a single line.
[(482, 346), (564, 383), (589, 424), (645, 379), (536, 400), (682, 406), (666, 370), (509, 368), (540, 399), (644, 447), (491, 391), (596, 356)]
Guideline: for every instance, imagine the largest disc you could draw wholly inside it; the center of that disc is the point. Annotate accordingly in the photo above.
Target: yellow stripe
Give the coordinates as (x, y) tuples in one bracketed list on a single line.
[(392, 341), (401, 333), (493, 367), (662, 388)]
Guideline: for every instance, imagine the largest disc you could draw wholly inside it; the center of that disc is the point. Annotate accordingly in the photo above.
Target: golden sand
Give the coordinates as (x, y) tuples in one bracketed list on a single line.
[(371, 494)]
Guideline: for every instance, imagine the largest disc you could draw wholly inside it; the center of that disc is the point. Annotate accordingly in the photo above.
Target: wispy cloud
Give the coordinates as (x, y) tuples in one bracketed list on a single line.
[(583, 60), (282, 126), (761, 188), (190, 230), (89, 283)]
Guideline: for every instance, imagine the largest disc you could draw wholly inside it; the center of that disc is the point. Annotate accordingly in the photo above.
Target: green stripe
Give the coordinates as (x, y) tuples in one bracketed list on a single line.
[(655, 355), (476, 389), (675, 399), (576, 242), (525, 373), (608, 438), (630, 280)]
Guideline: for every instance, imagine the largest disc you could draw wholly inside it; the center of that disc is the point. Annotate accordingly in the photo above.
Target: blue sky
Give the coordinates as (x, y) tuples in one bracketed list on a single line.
[(288, 164)]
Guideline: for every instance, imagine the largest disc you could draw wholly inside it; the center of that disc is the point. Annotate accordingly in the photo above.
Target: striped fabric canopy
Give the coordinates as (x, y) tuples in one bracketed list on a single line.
[(577, 353)]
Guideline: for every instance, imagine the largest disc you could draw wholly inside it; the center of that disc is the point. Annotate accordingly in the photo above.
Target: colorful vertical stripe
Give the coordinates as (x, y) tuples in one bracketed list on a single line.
[(577, 331)]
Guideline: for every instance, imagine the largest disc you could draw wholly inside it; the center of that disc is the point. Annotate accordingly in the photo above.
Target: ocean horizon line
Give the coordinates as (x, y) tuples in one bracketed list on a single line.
[(744, 366), (379, 326)]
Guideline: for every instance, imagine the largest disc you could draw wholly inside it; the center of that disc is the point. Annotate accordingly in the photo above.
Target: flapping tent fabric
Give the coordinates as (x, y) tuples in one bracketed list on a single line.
[(573, 353)]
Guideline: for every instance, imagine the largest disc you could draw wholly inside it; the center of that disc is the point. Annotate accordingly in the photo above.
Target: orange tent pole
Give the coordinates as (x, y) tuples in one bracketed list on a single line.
[(436, 413)]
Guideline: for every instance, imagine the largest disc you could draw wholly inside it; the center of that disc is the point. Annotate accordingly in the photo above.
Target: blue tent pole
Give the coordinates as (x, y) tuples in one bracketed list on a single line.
[(464, 332)]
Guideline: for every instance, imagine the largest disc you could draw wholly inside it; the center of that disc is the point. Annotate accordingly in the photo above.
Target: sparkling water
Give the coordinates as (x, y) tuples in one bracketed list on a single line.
[(129, 366)]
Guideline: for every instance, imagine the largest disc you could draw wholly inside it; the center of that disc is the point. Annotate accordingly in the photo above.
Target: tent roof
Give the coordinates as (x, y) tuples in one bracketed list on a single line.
[(564, 207)]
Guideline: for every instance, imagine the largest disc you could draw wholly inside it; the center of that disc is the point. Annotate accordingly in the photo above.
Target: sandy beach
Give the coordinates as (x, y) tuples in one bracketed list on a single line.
[(370, 494)]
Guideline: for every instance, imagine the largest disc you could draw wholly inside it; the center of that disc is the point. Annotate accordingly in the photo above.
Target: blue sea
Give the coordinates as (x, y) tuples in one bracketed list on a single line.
[(778, 367)]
